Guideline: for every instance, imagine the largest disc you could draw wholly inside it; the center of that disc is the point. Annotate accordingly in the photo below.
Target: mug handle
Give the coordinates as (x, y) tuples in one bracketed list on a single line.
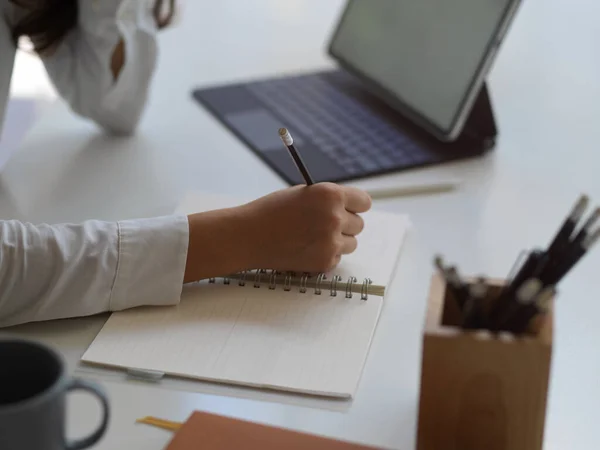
[(93, 388)]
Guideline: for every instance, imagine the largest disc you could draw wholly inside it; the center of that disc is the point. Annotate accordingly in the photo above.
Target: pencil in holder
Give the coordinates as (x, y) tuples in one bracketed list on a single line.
[(479, 390)]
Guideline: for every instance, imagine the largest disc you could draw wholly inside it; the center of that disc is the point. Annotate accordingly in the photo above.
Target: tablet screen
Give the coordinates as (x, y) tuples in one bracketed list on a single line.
[(425, 53)]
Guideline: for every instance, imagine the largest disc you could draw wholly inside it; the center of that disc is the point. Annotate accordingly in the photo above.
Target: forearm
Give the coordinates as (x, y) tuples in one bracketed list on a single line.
[(218, 244), (50, 272)]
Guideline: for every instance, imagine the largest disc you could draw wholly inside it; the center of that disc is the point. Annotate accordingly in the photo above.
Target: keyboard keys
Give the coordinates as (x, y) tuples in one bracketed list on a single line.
[(297, 123), (352, 150), (400, 158), (366, 162), (340, 126), (328, 148), (352, 169), (385, 161)]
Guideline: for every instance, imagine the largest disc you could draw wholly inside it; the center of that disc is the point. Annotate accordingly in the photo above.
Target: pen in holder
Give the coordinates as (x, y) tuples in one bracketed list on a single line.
[(481, 390)]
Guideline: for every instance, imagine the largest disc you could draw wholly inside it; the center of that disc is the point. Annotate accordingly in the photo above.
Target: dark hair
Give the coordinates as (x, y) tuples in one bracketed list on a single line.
[(47, 22)]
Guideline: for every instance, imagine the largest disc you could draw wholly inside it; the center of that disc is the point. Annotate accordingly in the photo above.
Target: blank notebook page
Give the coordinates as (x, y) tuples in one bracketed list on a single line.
[(276, 339)]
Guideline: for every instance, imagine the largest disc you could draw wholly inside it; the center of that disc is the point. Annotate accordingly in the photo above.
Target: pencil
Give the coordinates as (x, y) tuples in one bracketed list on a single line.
[(414, 189), (524, 297), (539, 305), (473, 310), (561, 239), (460, 291), (287, 139), (585, 229), (574, 256)]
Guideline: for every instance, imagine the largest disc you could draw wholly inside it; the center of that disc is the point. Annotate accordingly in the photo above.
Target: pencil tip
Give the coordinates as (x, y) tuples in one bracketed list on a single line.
[(580, 207), (591, 239)]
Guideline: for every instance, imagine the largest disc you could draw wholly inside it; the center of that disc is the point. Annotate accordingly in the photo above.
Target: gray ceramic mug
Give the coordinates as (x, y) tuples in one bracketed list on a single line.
[(33, 388)]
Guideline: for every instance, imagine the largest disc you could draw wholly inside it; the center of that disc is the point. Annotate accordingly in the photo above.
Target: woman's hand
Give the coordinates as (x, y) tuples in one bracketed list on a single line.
[(303, 229), (306, 228)]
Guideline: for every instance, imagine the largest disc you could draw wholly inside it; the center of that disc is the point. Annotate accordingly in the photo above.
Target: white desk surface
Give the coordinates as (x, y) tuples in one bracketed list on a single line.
[(546, 92)]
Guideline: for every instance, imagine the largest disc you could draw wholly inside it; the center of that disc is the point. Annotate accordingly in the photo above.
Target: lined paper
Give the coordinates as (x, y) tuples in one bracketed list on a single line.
[(248, 336), (284, 340), (378, 248)]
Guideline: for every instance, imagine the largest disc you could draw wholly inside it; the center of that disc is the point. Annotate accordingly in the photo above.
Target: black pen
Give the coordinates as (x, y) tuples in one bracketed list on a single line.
[(574, 256), (539, 306), (287, 139), (562, 242), (564, 233), (585, 229), (564, 255), (517, 266), (459, 290), (530, 268), (473, 312), (523, 296)]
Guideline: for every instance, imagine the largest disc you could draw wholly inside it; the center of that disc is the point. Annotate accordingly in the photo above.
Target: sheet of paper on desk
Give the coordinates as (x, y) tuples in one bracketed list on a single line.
[(246, 336)]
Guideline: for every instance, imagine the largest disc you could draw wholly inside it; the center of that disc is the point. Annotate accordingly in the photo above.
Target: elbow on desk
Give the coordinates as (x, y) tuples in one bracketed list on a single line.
[(120, 121), (117, 111), (123, 125)]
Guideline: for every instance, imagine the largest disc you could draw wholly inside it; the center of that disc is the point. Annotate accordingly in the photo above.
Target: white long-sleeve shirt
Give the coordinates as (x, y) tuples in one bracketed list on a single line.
[(68, 270)]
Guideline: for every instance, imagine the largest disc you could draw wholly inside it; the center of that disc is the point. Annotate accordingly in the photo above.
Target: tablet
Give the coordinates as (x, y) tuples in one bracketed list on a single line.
[(427, 59)]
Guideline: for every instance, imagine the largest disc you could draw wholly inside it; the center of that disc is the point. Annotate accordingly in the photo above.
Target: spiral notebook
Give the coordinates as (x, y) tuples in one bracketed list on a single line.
[(283, 331)]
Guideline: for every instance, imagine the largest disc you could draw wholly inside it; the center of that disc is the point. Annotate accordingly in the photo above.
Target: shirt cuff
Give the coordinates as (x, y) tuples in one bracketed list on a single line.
[(151, 264)]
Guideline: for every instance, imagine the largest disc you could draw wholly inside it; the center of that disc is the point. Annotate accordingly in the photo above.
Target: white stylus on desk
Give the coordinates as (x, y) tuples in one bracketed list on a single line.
[(432, 187)]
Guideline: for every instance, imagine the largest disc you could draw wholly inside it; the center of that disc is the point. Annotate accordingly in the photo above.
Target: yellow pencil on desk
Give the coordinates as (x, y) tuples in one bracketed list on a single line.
[(405, 190)]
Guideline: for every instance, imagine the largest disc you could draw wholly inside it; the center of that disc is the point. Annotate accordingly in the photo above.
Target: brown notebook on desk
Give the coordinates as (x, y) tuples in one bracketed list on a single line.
[(212, 432)]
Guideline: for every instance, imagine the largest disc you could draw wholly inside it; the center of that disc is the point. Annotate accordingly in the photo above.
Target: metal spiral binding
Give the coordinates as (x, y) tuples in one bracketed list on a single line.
[(333, 285), (242, 281), (320, 278), (364, 290), (349, 284), (257, 276), (274, 281), (287, 283), (303, 281)]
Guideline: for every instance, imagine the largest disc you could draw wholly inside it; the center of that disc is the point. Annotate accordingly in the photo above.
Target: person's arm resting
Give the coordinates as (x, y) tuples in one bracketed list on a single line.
[(50, 272), (104, 67)]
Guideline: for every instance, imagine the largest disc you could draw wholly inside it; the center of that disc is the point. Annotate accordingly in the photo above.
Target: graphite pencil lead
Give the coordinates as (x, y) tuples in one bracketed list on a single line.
[(592, 219), (591, 239), (579, 208)]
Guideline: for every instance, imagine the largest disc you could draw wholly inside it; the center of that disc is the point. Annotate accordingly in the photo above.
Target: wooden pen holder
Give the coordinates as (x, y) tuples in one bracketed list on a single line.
[(480, 391)]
